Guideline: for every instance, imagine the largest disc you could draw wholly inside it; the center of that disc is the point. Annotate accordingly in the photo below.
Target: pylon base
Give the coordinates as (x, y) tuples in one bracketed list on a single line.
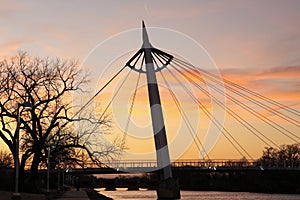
[(168, 189), (16, 196)]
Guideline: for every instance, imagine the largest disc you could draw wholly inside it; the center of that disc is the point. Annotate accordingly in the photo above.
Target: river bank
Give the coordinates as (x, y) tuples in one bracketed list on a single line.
[(95, 195), (199, 195)]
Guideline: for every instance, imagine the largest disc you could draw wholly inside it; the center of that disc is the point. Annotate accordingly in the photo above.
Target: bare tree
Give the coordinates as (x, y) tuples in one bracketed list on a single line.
[(47, 84), (6, 159)]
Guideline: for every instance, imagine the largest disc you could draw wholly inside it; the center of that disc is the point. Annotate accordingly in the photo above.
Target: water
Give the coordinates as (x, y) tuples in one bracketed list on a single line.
[(195, 195)]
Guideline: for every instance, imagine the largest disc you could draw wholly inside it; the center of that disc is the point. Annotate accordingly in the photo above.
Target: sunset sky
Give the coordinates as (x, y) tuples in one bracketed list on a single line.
[(253, 43)]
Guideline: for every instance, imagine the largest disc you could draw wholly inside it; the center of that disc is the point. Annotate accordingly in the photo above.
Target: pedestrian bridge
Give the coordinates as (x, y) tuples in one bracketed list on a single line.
[(135, 166)]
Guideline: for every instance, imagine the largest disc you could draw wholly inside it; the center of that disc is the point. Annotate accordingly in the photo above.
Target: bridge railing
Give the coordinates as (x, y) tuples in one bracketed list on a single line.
[(181, 163), (133, 164), (212, 163), (152, 165), (203, 163)]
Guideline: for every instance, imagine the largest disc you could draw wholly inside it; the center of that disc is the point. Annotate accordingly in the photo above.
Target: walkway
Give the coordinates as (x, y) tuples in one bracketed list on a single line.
[(73, 194)]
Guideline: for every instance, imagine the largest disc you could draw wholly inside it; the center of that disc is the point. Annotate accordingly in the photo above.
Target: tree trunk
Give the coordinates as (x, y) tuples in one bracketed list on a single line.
[(34, 165)]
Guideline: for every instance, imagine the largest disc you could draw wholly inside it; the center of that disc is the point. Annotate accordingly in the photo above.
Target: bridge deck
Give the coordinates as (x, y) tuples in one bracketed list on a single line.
[(150, 166)]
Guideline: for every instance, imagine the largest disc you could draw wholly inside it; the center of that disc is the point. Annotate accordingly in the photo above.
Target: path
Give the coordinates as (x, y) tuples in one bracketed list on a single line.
[(73, 194)]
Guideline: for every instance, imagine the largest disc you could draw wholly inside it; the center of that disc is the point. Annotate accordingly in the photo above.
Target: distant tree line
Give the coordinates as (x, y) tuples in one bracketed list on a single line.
[(284, 156)]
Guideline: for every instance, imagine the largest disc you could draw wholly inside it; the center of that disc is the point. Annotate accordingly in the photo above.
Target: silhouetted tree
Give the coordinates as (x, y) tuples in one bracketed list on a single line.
[(48, 85), (6, 159), (285, 156)]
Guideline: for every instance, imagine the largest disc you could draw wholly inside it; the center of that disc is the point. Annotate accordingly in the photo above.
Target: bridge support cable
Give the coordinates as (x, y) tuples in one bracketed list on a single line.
[(104, 112), (110, 102), (222, 129), (93, 97), (247, 125), (115, 94), (231, 85), (270, 122), (209, 115), (271, 101), (130, 113), (185, 118), (260, 104), (162, 60), (98, 92), (238, 118), (247, 97), (187, 122)]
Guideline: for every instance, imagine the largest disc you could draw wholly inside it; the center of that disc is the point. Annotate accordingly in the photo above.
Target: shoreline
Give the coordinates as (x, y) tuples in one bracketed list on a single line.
[(94, 195), (195, 195), (219, 190)]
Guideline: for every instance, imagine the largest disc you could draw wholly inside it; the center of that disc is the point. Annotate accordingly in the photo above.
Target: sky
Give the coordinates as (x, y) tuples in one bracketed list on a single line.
[(255, 43)]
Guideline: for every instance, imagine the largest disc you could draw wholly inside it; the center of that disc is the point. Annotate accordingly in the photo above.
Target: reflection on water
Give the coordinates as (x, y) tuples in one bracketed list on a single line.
[(193, 195)]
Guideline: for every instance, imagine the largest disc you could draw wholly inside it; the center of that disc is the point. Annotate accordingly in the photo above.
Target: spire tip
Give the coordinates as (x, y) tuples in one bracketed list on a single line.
[(146, 43)]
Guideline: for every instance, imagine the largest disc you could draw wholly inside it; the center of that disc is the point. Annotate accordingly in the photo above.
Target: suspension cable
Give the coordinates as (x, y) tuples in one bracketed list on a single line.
[(218, 125), (270, 122), (90, 100), (187, 122), (258, 103), (271, 101), (253, 112), (223, 130), (100, 90), (112, 99), (129, 115), (115, 95), (246, 124)]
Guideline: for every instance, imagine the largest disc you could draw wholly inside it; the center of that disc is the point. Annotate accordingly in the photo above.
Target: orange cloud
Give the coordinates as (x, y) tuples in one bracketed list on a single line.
[(278, 84), (281, 83)]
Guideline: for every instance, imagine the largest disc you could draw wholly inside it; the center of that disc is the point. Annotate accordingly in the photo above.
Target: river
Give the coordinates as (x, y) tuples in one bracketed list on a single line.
[(195, 195)]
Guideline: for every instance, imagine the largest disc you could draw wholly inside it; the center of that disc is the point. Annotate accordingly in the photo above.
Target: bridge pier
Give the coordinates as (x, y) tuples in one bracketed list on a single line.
[(110, 185), (168, 189)]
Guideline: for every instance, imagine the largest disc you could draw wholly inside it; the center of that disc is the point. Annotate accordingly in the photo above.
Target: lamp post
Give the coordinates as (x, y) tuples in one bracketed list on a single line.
[(63, 173), (48, 170), (28, 105), (58, 176), (63, 176)]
